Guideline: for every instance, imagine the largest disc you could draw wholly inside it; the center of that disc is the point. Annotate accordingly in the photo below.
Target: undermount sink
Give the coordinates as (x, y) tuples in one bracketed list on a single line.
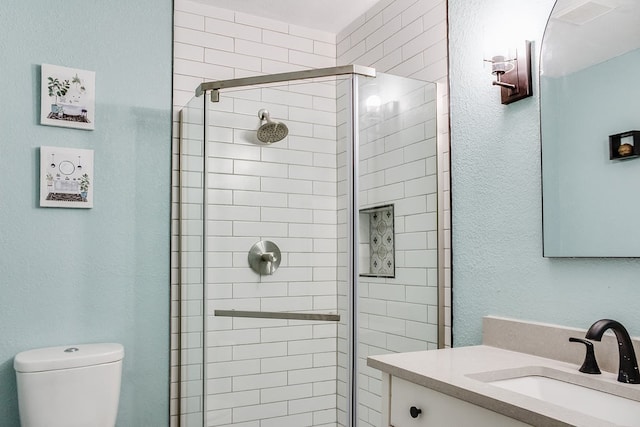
[(616, 409), (583, 393)]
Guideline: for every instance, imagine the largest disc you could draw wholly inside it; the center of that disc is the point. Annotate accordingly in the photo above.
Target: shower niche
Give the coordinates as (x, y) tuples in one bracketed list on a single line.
[(377, 242)]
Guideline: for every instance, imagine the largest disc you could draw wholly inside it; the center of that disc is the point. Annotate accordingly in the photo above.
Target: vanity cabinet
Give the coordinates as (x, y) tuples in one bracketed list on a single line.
[(436, 409)]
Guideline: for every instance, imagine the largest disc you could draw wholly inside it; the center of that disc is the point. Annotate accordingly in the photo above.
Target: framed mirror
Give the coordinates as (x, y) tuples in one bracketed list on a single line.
[(589, 102)]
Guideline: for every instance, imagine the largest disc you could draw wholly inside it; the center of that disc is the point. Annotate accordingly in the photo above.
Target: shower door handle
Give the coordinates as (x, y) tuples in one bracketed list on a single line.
[(325, 317)]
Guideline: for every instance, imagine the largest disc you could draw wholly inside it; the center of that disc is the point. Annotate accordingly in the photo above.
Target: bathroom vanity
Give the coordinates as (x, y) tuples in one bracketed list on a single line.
[(487, 385), (411, 404)]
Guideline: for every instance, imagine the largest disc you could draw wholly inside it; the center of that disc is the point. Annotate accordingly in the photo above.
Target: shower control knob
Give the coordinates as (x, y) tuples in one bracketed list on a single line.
[(415, 412), (264, 257)]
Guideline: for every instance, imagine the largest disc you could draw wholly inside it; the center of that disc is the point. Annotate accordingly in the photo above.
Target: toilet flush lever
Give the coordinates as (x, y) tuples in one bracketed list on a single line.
[(71, 350)]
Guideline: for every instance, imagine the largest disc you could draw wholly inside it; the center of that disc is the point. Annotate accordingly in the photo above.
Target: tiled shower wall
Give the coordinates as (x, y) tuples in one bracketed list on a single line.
[(409, 38), (397, 164), (282, 372), (217, 44), (252, 189), (191, 244), (403, 37)]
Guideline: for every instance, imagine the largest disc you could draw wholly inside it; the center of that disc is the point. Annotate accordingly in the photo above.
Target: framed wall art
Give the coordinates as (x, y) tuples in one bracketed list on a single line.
[(66, 177), (67, 97)]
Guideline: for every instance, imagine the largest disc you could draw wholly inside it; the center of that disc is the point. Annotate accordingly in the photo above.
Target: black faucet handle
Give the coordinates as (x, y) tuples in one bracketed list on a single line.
[(590, 365)]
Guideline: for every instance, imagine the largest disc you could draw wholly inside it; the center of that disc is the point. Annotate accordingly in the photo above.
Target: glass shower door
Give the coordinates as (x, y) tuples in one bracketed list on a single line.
[(397, 290), (188, 270), (349, 197), (265, 362)]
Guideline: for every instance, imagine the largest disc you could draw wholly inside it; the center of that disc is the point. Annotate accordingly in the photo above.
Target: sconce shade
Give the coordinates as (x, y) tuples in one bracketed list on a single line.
[(516, 83), (501, 65)]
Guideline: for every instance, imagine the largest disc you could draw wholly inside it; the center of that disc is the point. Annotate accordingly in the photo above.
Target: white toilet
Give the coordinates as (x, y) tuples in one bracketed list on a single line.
[(71, 386)]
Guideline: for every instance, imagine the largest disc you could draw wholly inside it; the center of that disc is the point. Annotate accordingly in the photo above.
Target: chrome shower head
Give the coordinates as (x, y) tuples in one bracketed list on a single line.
[(271, 131)]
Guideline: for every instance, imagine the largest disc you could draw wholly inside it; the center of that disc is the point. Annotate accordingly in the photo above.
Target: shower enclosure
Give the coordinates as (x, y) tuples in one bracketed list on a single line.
[(341, 199)]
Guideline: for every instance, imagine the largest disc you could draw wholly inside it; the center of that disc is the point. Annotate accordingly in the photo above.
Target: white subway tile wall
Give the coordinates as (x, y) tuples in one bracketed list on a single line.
[(404, 38), (391, 318), (256, 187), (273, 198), (286, 193), (187, 330)]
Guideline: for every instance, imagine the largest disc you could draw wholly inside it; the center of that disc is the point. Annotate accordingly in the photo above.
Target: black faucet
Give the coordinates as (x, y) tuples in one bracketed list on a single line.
[(628, 368)]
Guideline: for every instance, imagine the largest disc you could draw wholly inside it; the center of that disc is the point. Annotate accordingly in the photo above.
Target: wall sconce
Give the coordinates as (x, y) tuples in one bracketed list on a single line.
[(513, 73)]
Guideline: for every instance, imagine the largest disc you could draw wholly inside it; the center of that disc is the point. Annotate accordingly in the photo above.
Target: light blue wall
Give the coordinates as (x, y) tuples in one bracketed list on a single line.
[(498, 266), (99, 275)]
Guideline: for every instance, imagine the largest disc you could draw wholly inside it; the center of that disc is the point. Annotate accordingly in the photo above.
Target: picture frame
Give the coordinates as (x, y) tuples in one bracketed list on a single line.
[(66, 177), (67, 97)]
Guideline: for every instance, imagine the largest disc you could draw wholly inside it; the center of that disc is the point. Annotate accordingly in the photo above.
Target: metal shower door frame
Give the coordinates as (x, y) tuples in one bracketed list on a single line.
[(215, 86)]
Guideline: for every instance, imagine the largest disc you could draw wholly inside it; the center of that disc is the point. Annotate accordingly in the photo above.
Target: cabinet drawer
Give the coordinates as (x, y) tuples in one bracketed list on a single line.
[(438, 409)]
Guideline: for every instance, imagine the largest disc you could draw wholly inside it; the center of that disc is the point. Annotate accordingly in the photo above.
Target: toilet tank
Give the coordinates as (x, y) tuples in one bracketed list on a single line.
[(69, 386)]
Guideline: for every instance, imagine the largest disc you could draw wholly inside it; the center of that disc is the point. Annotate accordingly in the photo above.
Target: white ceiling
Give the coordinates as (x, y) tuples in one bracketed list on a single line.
[(327, 15), (582, 33)]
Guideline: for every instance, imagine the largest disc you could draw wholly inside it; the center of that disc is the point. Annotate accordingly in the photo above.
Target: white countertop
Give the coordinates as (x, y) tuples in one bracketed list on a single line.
[(462, 373)]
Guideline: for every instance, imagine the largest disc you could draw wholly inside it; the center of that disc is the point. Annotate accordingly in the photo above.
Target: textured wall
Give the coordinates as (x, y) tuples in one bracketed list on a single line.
[(497, 212), (79, 275)]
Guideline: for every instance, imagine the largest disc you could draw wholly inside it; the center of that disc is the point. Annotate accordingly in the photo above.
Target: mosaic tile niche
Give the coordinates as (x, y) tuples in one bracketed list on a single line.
[(377, 241)]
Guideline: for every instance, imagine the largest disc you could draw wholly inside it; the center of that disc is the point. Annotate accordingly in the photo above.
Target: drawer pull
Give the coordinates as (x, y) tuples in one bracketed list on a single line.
[(415, 412)]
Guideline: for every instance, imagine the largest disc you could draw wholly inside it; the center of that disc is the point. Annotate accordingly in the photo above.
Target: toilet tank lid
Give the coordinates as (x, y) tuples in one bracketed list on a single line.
[(66, 357)]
